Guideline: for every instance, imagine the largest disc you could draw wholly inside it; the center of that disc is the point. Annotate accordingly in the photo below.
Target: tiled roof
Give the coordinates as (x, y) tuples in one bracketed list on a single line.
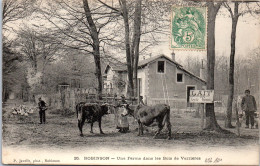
[(142, 63), (149, 60), (114, 63)]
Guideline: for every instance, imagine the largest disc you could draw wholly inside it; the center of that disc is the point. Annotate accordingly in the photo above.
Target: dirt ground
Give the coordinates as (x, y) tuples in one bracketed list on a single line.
[(61, 132)]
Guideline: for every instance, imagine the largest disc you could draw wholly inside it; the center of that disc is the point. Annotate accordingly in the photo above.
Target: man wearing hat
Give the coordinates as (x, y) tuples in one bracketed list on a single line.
[(42, 108), (248, 105)]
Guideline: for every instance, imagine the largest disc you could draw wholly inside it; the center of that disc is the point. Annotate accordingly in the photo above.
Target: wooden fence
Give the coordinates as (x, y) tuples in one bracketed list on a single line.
[(68, 98)]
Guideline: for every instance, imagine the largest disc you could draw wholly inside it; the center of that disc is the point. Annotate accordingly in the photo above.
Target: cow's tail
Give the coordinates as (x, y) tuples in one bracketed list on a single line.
[(166, 117)]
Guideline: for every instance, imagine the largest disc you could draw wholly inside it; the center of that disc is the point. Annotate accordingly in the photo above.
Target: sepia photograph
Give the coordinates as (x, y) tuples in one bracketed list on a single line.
[(130, 82)]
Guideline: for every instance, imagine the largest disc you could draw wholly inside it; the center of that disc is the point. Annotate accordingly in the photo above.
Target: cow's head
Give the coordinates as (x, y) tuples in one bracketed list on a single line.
[(105, 108)]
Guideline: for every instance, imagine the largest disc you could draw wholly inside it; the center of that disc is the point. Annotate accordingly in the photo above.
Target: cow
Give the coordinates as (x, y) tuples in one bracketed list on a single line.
[(91, 112), (146, 115)]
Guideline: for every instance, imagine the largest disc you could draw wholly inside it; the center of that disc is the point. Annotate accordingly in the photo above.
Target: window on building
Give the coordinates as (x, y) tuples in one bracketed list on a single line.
[(75, 83), (161, 67), (179, 77)]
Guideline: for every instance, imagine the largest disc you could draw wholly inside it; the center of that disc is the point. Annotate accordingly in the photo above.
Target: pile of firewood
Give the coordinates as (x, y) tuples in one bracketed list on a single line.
[(22, 110)]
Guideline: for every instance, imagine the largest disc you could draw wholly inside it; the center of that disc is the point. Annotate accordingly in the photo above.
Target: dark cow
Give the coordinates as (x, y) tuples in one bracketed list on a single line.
[(91, 112), (146, 115)]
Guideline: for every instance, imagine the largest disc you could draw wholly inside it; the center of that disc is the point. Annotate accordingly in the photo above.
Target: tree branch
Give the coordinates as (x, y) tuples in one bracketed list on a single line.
[(110, 7)]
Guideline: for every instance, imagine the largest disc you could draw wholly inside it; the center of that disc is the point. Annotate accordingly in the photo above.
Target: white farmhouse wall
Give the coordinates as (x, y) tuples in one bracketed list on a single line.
[(108, 83), (141, 74)]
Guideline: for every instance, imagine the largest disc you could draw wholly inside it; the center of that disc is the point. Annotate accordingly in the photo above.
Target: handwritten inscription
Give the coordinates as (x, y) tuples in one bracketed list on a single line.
[(213, 160)]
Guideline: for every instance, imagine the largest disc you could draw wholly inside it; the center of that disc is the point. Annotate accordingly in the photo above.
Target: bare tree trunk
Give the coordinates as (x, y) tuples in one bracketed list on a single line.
[(132, 49), (34, 63), (95, 45), (211, 122), (4, 98), (136, 41), (130, 89), (234, 17)]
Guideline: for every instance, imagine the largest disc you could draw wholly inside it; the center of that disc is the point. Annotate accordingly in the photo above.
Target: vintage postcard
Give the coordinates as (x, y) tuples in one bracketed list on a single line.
[(138, 82)]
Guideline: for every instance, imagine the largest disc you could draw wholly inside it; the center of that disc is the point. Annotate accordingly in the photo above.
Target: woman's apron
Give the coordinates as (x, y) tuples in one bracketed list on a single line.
[(120, 119)]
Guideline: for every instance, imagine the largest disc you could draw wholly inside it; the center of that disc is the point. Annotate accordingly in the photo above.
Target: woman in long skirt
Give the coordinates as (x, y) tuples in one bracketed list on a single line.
[(121, 121)]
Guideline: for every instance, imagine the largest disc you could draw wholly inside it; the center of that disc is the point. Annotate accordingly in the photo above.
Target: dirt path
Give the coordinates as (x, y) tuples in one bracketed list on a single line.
[(61, 132)]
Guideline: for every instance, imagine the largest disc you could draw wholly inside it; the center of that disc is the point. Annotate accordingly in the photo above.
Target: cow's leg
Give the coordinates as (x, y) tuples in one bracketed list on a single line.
[(91, 127), (169, 130), (139, 128), (169, 126), (99, 124), (142, 129), (160, 127), (80, 125)]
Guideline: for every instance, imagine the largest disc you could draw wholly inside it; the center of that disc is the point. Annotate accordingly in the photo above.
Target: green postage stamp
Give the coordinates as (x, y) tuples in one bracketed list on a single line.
[(189, 28)]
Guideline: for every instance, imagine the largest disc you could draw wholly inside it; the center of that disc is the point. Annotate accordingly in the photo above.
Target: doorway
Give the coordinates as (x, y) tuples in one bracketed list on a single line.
[(189, 88)]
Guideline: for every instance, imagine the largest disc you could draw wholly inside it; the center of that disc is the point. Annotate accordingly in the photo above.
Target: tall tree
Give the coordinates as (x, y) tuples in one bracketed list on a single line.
[(132, 50), (81, 26), (136, 39), (10, 66), (38, 50), (95, 45), (213, 8), (132, 44), (129, 58), (12, 10), (234, 14)]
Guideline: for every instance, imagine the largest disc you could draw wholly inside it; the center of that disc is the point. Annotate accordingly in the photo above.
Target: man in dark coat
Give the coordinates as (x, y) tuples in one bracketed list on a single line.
[(249, 106), (141, 101), (42, 108)]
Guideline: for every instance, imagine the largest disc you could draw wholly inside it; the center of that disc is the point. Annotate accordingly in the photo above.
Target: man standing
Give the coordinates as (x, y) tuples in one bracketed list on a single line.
[(42, 108), (141, 101), (249, 106)]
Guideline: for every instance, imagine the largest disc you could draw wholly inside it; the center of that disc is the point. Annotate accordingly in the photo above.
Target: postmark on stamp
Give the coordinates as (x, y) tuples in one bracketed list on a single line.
[(189, 28)]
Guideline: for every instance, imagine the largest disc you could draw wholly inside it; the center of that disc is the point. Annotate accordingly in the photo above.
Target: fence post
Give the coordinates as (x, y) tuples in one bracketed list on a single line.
[(106, 97), (238, 123), (202, 115), (138, 91)]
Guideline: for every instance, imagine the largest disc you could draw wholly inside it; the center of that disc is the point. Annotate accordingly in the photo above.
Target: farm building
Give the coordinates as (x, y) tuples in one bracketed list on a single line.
[(160, 80)]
